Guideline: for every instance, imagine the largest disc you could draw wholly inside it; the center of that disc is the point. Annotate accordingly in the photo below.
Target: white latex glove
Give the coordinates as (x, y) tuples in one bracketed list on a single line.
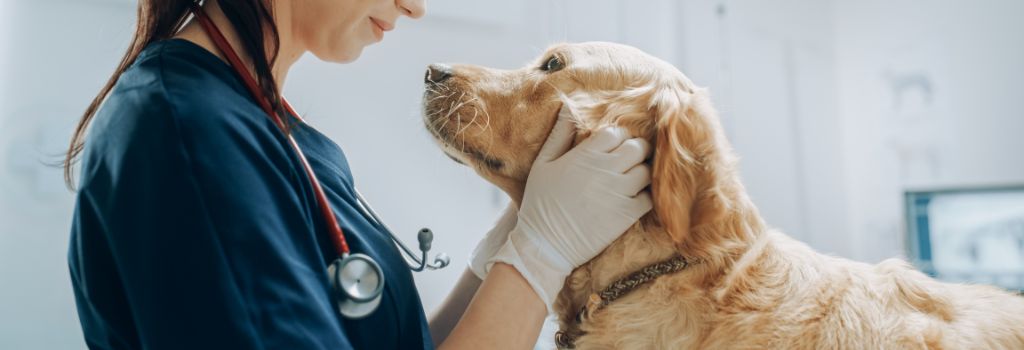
[(576, 203), (493, 241)]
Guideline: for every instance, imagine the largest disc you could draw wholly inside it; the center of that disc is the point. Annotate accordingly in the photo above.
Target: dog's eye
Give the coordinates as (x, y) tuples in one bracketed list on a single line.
[(552, 64)]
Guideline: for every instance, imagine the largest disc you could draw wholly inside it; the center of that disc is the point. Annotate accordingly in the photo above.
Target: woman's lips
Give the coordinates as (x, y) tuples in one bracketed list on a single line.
[(379, 27)]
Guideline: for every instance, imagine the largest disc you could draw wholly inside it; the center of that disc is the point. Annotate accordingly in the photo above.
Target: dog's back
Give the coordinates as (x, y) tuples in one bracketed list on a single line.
[(780, 294)]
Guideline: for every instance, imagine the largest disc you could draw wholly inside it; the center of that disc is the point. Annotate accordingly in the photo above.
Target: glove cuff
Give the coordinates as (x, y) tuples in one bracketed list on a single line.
[(542, 268), (493, 241)]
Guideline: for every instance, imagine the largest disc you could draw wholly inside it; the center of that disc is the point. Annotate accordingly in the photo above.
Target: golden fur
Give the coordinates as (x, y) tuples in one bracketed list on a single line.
[(756, 288)]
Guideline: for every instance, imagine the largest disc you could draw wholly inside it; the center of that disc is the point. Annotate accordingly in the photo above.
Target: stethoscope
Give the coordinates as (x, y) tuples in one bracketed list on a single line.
[(356, 279)]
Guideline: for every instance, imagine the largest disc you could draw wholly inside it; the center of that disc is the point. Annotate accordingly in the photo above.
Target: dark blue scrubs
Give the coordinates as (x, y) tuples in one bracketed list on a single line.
[(196, 227)]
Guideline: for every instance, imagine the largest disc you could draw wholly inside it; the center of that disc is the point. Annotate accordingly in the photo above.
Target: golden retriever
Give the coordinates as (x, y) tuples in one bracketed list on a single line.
[(754, 287)]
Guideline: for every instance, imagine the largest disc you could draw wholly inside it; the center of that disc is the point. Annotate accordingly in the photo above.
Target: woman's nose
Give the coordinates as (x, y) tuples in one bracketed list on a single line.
[(412, 8)]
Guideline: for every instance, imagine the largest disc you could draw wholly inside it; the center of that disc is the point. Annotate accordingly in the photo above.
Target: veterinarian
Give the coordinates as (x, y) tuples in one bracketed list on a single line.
[(198, 223)]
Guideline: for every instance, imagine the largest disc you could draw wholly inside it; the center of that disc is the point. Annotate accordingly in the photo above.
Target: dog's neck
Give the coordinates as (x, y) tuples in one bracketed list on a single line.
[(724, 222), (647, 242)]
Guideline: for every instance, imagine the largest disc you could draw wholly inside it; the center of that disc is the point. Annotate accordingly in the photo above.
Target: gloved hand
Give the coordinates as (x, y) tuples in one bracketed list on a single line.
[(576, 203), (493, 241)]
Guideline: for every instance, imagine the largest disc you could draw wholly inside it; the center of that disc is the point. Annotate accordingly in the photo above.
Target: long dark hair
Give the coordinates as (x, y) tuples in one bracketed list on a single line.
[(161, 19)]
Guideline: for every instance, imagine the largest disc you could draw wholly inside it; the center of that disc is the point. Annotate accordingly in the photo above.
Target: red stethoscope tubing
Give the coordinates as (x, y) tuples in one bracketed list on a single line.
[(337, 236)]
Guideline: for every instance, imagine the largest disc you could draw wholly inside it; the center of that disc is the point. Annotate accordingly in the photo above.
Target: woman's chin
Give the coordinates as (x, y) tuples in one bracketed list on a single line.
[(343, 55)]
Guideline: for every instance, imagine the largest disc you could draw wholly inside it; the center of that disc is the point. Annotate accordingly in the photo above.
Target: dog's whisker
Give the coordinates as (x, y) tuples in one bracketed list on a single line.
[(447, 116), (471, 121), (458, 126), (463, 103), (467, 104), (488, 116), (452, 108), (487, 120), (440, 96)]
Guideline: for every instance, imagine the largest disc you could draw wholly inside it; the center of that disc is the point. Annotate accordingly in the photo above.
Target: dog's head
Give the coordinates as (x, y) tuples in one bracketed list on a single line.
[(495, 121)]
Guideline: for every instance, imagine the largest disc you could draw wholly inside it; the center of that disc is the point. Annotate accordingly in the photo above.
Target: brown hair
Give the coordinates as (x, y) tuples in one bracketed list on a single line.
[(161, 19)]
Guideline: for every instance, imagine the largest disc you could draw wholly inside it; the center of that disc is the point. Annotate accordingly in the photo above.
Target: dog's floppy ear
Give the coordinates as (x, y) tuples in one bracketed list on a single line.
[(689, 167), (673, 177)]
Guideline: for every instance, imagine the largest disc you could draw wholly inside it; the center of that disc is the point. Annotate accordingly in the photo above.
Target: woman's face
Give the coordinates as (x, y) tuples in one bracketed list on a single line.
[(338, 30)]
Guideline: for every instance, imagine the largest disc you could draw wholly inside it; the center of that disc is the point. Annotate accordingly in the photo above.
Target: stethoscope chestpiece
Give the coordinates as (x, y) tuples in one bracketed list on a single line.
[(358, 284)]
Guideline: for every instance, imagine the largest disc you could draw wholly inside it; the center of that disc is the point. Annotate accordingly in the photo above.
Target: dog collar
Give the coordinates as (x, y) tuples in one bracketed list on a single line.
[(566, 339)]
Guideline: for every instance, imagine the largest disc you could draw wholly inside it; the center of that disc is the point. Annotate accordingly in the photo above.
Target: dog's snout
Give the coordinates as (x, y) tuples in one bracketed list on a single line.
[(437, 73)]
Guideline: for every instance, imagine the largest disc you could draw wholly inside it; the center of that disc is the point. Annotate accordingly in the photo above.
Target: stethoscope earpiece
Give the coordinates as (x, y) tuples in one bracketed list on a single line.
[(425, 236), (442, 260)]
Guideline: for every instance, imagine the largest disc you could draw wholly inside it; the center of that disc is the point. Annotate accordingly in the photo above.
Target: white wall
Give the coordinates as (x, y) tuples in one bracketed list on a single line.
[(929, 96), (769, 66), (56, 56)]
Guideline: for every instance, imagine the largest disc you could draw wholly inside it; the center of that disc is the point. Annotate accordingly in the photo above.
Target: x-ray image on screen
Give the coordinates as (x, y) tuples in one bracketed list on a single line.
[(972, 236)]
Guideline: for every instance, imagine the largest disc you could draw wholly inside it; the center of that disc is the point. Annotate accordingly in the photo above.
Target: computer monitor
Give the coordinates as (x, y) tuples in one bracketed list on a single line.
[(969, 235)]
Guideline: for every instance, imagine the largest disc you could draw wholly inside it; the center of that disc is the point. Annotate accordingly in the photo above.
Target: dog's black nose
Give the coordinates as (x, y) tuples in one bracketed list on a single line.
[(437, 73)]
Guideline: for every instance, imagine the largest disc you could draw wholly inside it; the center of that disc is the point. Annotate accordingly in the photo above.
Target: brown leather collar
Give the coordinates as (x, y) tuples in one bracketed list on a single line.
[(566, 339)]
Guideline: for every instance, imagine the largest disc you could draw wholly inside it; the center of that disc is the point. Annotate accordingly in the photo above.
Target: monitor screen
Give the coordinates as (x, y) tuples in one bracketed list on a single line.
[(968, 235)]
